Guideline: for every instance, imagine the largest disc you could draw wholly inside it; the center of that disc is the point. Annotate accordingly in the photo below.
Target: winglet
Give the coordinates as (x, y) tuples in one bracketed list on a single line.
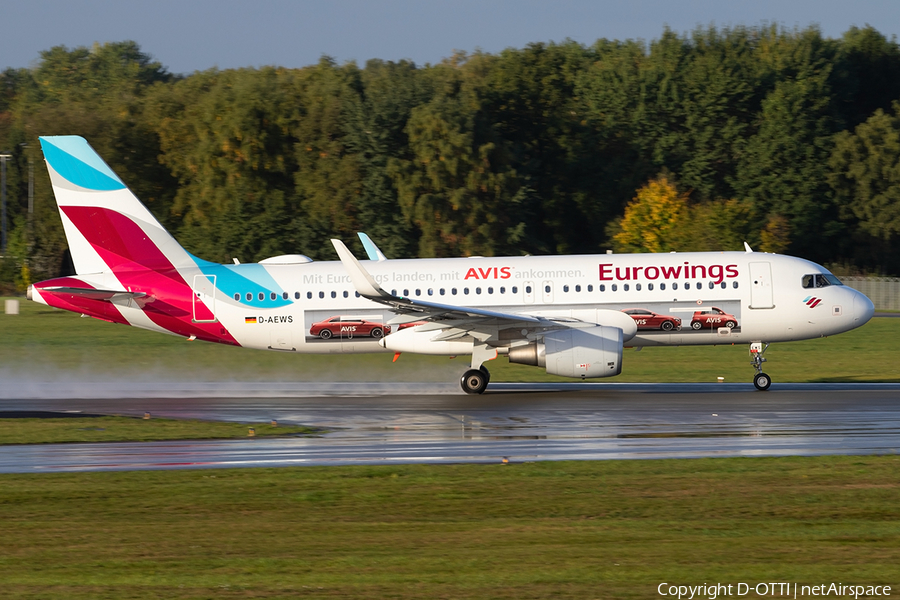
[(747, 247), (372, 251), (363, 282)]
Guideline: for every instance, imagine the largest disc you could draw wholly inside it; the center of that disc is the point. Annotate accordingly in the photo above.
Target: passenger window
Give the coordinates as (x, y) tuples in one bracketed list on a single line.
[(527, 289), (662, 286), (273, 296), (466, 291), (490, 290), (321, 295), (334, 294), (515, 289), (590, 288), (431, 291), (637, 287), (502, 290), (249, 296), (261, 296), (478, 290), (602, 287), (442, 291), (284, 295), (346, 294), (237, 296), (734, 284), (565, 288), (453, 291), (418, 292), (614, 287), (625, 288), (309, 295), (547, 288), (723, 285), (577, 288), (406, 293), (700, 285), (674, 286)]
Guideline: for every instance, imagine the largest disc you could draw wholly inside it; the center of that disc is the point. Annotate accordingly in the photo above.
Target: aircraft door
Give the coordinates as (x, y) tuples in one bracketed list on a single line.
[(528, 291), (204, 299), (761, 295)]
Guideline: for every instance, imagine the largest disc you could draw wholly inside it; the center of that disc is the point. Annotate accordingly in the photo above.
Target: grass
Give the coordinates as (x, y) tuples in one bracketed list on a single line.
[(607, 529), (119, 429), (44, 343)]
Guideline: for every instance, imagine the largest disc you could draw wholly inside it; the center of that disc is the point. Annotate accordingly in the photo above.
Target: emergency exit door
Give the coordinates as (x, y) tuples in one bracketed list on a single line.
[(761, 295)]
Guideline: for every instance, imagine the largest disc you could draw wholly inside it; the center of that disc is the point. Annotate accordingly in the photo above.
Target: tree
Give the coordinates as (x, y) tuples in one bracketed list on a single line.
[(865, 176), (656, 220), (458, 188)]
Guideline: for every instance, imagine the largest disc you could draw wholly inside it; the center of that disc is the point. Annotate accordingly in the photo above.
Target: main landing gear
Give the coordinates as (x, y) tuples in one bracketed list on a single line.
[(761, 380), (474, 381)]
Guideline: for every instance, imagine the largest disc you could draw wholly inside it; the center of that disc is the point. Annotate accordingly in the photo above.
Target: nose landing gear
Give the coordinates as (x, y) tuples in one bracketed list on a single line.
[(761, 380)]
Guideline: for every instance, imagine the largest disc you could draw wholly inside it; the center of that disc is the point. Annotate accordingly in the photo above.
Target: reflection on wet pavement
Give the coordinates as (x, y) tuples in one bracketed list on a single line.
[(381, 423)]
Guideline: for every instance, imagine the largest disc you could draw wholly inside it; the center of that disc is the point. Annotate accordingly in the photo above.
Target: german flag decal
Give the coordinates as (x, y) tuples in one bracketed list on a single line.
[(249, 319)]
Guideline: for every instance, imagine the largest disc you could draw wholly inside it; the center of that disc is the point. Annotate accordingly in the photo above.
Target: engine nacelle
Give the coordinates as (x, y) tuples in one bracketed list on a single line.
[(592, 352)]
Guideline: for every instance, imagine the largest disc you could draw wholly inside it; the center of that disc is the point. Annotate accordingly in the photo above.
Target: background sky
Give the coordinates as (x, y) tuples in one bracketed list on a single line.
[(192, 35)]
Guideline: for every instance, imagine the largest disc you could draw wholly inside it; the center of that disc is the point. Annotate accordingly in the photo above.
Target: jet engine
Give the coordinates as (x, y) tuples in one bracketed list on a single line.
[(591, 352)]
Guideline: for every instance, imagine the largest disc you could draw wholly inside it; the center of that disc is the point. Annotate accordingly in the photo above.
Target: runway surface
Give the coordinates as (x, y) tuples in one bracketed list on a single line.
[(431, 423)]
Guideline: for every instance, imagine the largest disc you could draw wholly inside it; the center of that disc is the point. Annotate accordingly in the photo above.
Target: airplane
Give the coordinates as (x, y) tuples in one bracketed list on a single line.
[(565, 314)]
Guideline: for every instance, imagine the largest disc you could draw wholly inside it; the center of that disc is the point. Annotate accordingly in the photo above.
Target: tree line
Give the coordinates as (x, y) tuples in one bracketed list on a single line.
[(782, 138)]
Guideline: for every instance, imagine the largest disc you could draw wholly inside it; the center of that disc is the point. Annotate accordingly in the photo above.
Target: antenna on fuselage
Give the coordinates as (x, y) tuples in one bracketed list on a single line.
[(747, 247)]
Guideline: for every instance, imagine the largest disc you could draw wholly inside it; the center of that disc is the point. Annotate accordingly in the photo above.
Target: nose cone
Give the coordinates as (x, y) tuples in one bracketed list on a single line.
[(863, 309)]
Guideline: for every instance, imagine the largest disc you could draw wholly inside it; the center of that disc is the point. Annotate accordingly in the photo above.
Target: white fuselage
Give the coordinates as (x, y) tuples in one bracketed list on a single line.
[(764, 294)]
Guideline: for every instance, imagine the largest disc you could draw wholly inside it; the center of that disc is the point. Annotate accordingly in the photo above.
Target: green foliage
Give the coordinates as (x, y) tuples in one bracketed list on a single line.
[(533, 150), (865, 174)]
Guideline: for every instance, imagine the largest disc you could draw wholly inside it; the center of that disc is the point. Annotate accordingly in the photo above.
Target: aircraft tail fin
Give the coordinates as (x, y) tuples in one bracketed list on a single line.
[(107, 227)]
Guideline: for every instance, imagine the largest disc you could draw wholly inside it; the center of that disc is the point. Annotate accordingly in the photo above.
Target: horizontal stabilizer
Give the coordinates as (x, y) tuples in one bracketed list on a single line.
[(92, 293)]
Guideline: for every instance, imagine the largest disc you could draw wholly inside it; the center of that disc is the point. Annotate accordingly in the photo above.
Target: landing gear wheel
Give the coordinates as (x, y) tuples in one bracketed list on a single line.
[(487, 373), (762, 381), (474, 381)]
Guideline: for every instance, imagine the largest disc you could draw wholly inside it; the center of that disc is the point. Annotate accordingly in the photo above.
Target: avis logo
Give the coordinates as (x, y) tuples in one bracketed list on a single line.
[(489, 273), (812, 301)]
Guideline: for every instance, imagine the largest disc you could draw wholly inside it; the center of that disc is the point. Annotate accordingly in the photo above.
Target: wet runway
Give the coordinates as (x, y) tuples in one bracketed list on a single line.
[(382, 423)]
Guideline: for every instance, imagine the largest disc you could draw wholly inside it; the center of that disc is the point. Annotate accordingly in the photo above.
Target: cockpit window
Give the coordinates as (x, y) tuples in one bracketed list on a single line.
[(820, 280)]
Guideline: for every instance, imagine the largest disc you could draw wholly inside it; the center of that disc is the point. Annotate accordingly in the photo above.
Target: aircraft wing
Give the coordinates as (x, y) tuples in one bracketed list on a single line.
[(367, 287), (372, 251), (459, 321)]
